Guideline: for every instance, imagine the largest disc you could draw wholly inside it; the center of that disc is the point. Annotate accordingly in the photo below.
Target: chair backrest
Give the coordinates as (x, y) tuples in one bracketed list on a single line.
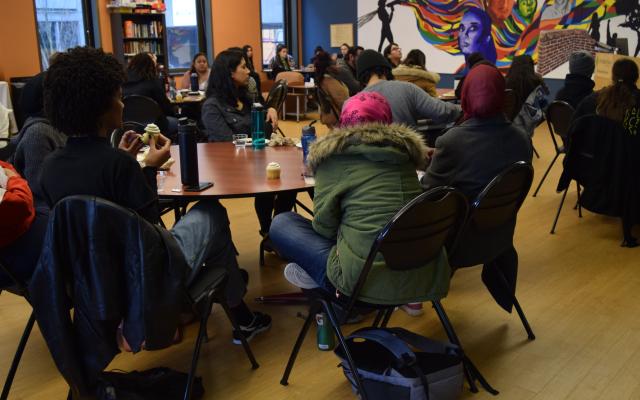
[(277, 95), (143, 110), (510, 101), (559, 115), (417, 233), (327, 106), (116, 135), (290, 77)]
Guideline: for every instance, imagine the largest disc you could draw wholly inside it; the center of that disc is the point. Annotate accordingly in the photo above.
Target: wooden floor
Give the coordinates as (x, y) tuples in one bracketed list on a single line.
[(579, 289)]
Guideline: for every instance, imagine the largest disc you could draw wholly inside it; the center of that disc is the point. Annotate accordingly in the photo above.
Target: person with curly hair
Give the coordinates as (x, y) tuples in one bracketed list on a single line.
[(82, 97)]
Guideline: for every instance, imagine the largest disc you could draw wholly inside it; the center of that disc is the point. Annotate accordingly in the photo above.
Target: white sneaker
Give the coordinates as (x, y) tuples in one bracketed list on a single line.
[(299, 277)]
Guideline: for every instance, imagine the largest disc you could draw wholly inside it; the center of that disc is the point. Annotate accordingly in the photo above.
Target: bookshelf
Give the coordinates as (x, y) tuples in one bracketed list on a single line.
[(133, 33)]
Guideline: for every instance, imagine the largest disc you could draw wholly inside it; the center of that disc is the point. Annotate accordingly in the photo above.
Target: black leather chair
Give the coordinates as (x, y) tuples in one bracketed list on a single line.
[(110, 225), (413, 238), (144, 110), (277, 96), (326, 105), (558, 115)]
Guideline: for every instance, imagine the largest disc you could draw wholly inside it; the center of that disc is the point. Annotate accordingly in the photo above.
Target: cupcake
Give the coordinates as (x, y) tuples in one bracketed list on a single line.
[(273, 171), (149, 131)]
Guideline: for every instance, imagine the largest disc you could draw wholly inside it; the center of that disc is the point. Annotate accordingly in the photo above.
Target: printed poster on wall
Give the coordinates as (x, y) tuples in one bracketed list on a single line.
[(548, 30)]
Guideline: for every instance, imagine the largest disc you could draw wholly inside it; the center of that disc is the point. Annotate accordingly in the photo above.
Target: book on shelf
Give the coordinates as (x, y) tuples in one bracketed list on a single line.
[(151, 30)]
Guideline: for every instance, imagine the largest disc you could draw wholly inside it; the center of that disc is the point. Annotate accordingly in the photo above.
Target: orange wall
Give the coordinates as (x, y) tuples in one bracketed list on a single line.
[(236, 23), (18, 41)]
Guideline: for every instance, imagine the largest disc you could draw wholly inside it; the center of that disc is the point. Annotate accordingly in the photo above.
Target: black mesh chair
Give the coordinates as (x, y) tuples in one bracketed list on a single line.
[(144, 110), (204, 287), (414, 237), (19, 288), (558, 115)]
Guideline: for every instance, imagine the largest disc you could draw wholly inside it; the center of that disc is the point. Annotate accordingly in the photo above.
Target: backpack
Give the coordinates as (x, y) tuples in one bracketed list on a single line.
[(531, 114), (389, 369), (152, 384)]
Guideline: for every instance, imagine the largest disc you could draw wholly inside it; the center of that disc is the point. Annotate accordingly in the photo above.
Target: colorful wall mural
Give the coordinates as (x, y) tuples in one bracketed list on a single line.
[(450, 30)]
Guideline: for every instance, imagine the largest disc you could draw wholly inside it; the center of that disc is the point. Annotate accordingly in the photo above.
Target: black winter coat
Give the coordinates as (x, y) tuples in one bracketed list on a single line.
[(576, 87), (109, 265)]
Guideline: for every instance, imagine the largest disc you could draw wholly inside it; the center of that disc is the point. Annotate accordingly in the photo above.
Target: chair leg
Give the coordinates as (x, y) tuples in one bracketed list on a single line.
[(578, 203), (262, 252), (234, 324), (387, 317), (297, 108), (336, 328), (313, 310), (378, 319), (471, 372), (16, 358), (202, 333), (545, 174), (555, 221), (535, 151), (518, 308)]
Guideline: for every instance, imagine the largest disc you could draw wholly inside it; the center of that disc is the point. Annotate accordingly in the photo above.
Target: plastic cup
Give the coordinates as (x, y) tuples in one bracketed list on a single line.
[(160, 178), (240, 140)]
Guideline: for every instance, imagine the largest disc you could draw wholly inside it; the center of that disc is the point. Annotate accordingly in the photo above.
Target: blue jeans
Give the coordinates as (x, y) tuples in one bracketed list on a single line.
[(204, 237), (294, 238)]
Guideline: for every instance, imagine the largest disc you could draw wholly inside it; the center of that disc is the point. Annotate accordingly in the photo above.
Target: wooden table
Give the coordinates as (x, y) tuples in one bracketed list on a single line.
[(446, 94), (238, 172)]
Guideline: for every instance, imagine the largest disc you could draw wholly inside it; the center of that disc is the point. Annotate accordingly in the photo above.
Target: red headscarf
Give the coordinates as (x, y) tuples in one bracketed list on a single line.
[(483, 92)]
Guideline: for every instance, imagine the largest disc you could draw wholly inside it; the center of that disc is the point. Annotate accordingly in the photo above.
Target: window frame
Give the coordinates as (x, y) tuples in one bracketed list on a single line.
[(89, 15), (203, 44), (289, 10)]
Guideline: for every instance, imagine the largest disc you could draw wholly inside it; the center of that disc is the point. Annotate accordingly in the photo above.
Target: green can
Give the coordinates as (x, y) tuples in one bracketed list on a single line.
[(326, 339)]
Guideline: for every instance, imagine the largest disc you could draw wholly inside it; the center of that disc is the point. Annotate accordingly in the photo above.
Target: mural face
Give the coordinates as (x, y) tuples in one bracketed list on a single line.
[(527, 8), (447, 30), (499, 10)]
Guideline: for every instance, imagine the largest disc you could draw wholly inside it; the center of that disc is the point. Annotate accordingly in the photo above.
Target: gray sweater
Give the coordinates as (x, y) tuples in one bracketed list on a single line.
[(36, 140), (409, 103)]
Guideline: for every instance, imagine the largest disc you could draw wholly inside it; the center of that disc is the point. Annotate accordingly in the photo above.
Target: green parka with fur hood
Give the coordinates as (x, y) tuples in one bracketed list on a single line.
[(364, 175)]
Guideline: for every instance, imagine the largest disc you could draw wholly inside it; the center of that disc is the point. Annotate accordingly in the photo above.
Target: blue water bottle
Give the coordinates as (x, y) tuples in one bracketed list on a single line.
[(194, 82), (257, 126), (308, 137)]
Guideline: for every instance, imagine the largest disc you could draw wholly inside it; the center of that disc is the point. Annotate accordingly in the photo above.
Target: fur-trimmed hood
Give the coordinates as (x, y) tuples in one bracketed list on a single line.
[(416, 72), (398, 139)]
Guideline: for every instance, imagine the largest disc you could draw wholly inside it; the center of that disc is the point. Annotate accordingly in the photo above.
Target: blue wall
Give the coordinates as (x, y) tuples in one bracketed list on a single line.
[(317, 15)]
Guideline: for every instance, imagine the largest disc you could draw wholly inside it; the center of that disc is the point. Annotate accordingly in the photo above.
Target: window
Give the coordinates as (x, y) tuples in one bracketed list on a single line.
[(185, 35), (273, 28), (62, 24)]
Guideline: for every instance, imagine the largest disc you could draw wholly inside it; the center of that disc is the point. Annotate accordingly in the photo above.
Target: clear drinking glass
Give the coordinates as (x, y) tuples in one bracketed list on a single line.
[(240, 140), (160, 178)]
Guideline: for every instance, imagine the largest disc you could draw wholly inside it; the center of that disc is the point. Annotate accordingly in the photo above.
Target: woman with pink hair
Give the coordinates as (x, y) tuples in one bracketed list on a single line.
[(365, 171)]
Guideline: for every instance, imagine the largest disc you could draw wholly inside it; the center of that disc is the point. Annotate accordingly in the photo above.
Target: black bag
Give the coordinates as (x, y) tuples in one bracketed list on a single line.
[(389, 369), (152, 384)]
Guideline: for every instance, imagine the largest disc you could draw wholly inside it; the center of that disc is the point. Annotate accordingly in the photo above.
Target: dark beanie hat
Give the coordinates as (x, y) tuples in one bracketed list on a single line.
[(582, 63), (370, 59)]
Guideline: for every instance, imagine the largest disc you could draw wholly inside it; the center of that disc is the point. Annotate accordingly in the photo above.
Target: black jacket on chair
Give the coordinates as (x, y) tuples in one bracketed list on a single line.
[(604, 158), (109, 265)]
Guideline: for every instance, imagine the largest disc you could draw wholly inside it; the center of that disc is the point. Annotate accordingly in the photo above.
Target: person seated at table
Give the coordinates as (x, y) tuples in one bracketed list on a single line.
[(350, 208), (578, 83), (37, 138), (472, 153), (143, 80), (227, 112), (199, 66), (22, 228), (349, 69), (408, 102), (247, 51), (469, 155), (324, 66), (393, 54), (528, 87), (413, 70), (470, 62), (83, 91), (281, 62), (329, 79), (620, 101), (253, 91)]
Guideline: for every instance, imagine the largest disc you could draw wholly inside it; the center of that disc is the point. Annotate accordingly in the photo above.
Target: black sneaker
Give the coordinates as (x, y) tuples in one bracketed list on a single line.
[(261, 322)]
